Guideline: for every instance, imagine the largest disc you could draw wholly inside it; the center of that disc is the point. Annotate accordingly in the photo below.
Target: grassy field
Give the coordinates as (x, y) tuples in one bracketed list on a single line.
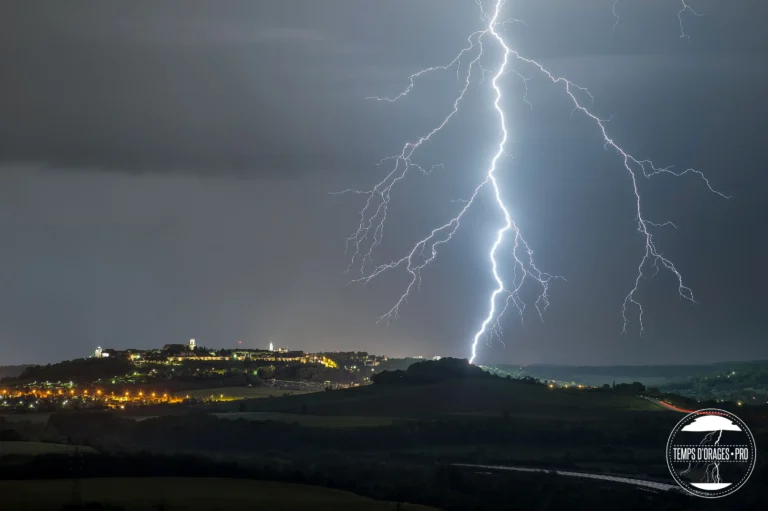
[(28, 448), (135, 494), (310, 420), (37, 418), (315, 421), (470, 397), (239, 393)]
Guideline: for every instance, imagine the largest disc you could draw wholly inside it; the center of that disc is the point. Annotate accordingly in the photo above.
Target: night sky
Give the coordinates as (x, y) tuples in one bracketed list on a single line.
[(165, 170)]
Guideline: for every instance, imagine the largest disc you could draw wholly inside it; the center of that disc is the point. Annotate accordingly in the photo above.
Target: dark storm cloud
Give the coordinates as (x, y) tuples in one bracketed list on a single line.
[(262, 88), (172, 86), (119, 119)]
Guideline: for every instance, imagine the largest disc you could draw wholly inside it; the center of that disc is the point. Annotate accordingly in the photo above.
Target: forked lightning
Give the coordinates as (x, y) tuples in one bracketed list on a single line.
[(372, 218)]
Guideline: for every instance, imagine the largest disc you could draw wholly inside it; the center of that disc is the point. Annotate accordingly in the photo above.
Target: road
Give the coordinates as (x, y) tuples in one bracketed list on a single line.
[(668, 406), (640, 483)]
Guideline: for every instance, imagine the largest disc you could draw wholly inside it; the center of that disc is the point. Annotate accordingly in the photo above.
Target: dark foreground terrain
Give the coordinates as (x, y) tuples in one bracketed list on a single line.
[(193, 494), (398, 440)]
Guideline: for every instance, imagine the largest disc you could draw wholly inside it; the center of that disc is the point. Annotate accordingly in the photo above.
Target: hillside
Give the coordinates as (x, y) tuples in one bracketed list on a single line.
[(185, 493), (485, 397), (649, 375), (35, 448), (12, 371)]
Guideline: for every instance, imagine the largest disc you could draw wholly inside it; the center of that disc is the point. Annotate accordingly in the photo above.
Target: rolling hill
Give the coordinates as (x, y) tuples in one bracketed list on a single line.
[(482, 397), (132, 493)]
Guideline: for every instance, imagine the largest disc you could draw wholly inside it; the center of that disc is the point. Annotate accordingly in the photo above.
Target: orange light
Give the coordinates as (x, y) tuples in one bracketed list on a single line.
[(166, 395), (153, 394), (98, 392), (141, 394)]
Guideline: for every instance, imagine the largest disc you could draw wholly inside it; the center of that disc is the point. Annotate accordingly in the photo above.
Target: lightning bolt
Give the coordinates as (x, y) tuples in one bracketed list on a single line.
[(372, 218), (684, 8)]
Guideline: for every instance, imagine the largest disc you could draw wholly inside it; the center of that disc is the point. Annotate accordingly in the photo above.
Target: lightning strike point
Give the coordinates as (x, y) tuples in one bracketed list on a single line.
[(370, 231)]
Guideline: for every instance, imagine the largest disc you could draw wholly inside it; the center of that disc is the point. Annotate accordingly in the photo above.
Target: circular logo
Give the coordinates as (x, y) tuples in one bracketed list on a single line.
[(711, 453)]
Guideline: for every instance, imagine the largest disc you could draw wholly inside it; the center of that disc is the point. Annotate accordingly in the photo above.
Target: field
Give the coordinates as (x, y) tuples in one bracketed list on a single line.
[(36, 418), (469, 397), (135, 494), (232, 393), (315, 421), (310, 420), (31, 448)]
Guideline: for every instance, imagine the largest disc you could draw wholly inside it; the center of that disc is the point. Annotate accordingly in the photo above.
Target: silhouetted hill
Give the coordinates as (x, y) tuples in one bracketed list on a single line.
[(11, 371), (481, 396), (78, 370), (432, 371)]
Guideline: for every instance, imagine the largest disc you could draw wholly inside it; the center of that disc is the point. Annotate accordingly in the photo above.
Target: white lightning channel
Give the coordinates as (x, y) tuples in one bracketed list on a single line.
[(508, 223), (684, 8), (369, 233)]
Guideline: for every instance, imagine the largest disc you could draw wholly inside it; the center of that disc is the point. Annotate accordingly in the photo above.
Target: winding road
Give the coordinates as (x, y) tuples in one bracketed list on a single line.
[(641, 483), (668, 406)]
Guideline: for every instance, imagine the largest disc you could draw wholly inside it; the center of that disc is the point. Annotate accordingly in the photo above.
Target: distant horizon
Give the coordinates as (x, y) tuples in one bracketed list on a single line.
[(424, 357)]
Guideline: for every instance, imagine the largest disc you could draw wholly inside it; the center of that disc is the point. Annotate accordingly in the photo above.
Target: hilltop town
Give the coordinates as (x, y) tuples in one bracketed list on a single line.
[(182, 374)]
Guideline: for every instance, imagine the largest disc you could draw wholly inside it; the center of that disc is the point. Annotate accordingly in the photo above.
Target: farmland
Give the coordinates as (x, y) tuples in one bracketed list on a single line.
[(134, 494), (234, 393), (482, 397), (36, 448), (310, 420)]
